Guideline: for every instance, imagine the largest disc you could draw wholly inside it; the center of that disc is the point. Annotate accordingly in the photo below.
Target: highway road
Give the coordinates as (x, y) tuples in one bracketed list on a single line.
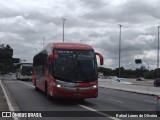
[(99, 108)]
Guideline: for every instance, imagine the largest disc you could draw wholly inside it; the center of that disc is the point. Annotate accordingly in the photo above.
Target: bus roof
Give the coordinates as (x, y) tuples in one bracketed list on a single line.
[(65, 45)]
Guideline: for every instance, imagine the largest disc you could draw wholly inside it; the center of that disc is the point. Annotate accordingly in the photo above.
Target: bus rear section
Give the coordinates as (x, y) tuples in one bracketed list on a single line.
[(25, 71), (68, 70)]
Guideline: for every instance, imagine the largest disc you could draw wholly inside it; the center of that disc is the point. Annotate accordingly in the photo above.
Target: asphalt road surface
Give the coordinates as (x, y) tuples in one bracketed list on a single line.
[(109, 102)]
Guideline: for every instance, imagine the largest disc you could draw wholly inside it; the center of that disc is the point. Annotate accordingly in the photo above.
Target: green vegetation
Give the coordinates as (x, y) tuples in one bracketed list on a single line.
[(6, 59), (139, 72), (6, 65)]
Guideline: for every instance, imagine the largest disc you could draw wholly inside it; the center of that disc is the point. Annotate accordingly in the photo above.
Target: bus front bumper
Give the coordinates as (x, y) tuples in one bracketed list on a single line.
[(77, 93)]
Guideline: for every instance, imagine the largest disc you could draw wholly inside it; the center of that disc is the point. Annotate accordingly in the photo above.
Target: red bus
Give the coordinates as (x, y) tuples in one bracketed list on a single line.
[(66, 70)]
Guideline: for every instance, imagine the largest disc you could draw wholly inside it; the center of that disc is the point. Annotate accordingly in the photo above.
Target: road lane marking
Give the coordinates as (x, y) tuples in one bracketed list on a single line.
[(115, 100), (8, 100), (27, 84), (96, 111), (112, 99), (107, 98), (132, 94), (88, 108), (150, 101)]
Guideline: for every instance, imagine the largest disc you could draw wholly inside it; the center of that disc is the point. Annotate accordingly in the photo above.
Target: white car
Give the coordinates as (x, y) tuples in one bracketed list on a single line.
[(121, 80), (140, 79)]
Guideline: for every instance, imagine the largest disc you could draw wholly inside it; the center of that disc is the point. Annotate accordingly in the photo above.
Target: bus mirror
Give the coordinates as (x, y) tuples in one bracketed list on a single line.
[(101, 58), (51, 58)]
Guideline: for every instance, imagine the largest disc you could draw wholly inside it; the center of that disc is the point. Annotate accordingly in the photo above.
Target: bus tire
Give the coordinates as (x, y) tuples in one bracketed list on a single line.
[(81, 100), (46, 92), (17, 77), (35, 87)]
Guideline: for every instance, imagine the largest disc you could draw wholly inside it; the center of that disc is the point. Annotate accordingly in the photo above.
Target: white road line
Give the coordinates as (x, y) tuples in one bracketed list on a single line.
[(101, 113), (27, 84), (107, 98), (115, 100), (150, 101), (88, 108), (8, 101), (112, 99)]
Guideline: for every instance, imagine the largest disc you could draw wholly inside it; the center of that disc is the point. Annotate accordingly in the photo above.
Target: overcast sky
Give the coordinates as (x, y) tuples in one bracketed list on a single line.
[(28, 24)]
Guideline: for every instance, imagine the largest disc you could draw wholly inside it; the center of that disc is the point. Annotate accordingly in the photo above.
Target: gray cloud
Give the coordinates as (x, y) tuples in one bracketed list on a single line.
[(25, 24), (132, 11)]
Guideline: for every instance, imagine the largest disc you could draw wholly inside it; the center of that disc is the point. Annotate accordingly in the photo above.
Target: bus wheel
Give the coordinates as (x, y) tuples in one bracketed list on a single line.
[(35, 87), (46, 92), (81, 100)]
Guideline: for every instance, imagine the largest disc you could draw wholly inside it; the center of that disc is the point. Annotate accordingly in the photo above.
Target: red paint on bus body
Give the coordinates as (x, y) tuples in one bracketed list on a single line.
[(56, 88)]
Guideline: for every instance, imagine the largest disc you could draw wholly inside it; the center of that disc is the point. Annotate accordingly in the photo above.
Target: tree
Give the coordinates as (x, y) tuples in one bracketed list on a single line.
[(139, 72), (6, 53), (151, 74), (105, 71), (1, 67), (2, 46)]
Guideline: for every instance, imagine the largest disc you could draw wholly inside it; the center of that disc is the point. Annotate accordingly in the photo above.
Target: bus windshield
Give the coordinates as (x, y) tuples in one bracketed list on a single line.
[(75, 66), (26, 69)]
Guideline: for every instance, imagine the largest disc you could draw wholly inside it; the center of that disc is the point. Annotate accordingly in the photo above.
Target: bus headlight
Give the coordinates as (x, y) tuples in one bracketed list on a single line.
[(94, 86), (59, 86)]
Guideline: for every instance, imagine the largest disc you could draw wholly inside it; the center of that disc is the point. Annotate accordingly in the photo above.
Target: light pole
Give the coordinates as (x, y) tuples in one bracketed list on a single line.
[(63, 27), (158, 53), (120, 50)]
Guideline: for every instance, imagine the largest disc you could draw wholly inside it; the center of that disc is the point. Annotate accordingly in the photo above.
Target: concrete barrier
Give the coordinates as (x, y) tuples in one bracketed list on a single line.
[(131, 88)]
